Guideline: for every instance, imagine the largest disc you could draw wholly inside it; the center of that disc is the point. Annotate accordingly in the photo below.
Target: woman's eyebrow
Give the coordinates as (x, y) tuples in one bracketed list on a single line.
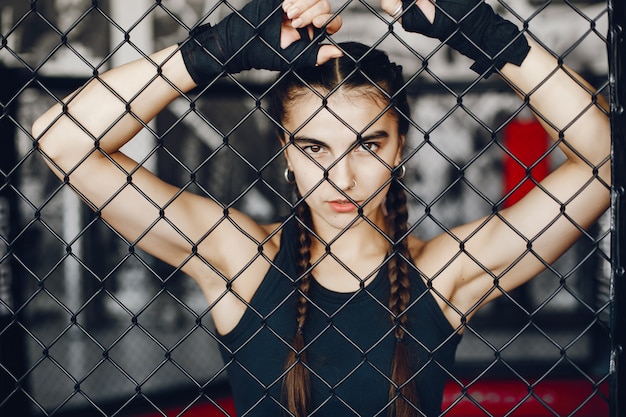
[(309, 141), (377, 134)]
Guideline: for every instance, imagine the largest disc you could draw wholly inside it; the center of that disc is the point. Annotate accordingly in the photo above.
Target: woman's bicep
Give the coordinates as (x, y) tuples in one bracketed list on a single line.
[(180, 228), (512, 246)]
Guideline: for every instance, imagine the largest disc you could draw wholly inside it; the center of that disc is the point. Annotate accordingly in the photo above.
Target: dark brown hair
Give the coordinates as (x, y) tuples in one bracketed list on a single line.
[(371, 71)]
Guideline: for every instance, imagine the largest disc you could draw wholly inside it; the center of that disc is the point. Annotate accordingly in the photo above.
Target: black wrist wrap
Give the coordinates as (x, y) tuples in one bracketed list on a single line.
[(472, 28), (249, 38), (202, 54)]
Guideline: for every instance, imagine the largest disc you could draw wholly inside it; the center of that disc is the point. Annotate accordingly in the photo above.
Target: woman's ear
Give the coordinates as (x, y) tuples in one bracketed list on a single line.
[(284, 144), (281, 140), (287, 161), (400, 152)]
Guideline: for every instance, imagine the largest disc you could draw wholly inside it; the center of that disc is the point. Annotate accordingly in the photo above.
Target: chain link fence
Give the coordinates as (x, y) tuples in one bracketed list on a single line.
[(91, 325)]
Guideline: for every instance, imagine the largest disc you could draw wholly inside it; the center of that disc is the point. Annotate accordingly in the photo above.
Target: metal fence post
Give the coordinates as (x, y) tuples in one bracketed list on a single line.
[(12, 346), (617, 23)]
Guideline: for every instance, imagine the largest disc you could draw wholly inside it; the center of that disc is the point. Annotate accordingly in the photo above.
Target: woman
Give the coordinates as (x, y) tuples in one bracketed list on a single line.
[(336, 310)]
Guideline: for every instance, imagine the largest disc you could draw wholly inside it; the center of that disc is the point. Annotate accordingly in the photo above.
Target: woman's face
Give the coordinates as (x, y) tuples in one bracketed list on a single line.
[(357, 146)]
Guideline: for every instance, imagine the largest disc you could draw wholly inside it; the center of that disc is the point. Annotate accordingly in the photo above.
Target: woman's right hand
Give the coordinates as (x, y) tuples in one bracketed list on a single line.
[(309, 15), (264, 34)]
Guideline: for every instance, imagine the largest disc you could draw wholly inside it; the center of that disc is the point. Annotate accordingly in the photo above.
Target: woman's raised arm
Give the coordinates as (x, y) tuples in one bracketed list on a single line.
[(480, 260), (80, 139), (517, 243)]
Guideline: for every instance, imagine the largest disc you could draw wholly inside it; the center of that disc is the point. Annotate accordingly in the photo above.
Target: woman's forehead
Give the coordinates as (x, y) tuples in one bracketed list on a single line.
[(354, 110)]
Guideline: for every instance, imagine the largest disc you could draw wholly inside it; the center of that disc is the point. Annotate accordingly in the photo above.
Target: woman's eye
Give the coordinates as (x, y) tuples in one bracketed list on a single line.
[(369, 146), (313, 149)]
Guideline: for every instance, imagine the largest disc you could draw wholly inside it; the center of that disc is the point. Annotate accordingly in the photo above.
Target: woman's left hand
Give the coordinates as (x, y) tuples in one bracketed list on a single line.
[(394, 8), (471, 27)]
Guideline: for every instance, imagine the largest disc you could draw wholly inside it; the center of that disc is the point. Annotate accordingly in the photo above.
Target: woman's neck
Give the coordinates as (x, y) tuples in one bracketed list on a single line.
[(352, 256)]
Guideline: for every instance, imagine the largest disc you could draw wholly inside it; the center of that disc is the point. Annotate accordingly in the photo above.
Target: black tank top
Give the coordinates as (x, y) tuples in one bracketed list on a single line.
[(350, 344)]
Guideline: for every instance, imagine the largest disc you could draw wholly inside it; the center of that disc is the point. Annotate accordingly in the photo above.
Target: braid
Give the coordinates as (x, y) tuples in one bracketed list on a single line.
[(297, 382), (403, 389)]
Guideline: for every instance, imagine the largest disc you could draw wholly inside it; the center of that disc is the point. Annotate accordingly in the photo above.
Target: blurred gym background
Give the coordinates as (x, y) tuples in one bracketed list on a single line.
[(91, 328)]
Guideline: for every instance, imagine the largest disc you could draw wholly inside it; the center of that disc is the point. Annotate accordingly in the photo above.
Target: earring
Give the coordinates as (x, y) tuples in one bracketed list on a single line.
[(400, 172), (289, 176)]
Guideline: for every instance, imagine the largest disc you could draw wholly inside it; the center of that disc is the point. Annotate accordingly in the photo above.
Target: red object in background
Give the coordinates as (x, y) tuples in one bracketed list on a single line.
[(201, 409), (549, 398), (528, 142)]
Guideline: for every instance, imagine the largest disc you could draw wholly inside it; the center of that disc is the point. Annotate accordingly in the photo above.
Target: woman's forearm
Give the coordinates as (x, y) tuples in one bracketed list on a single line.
[(111, 108), (566, 105)]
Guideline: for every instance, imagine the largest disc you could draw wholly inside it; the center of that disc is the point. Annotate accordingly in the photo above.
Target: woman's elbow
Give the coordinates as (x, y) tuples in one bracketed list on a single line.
[(53, 141)]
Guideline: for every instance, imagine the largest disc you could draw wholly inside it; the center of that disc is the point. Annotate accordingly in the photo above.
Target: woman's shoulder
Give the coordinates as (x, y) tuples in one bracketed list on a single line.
[(436, 261), (274, 232), (434, 254), (280, 236), (428, 255), (416, 246)]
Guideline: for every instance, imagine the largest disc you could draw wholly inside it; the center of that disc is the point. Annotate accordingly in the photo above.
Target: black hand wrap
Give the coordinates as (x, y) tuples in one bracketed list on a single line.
[(244, 40), (472, 28)]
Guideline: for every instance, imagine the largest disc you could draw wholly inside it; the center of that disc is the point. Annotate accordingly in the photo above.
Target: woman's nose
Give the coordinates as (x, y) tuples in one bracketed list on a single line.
[(341, 174)]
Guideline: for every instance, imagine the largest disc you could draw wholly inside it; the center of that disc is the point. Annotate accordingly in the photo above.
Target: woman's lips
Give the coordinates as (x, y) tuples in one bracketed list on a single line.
[(342, 206)]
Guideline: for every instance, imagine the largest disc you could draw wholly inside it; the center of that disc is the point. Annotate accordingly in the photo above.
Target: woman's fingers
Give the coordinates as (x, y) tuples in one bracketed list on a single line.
[(394, 8), (428, 8), (333, 24), (289, 34), (327, 52), (306, 12)]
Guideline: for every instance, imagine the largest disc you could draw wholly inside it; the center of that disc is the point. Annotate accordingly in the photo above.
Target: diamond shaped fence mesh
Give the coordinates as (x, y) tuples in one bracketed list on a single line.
[(122, 295)]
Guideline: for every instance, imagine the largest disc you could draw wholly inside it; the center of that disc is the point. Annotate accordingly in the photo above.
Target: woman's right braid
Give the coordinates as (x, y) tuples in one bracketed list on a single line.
[(303, 261), (398, 267), (403, 388), (297, 381)]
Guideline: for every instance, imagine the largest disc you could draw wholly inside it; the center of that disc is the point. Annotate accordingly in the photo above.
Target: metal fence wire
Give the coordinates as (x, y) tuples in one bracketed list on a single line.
[(91, 324)]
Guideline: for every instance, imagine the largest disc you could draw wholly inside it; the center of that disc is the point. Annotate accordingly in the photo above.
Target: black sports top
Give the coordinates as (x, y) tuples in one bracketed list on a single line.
[(350, 344)]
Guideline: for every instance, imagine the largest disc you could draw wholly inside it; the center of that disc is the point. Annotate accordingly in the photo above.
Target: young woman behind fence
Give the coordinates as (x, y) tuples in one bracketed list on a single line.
[(338, 309)]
